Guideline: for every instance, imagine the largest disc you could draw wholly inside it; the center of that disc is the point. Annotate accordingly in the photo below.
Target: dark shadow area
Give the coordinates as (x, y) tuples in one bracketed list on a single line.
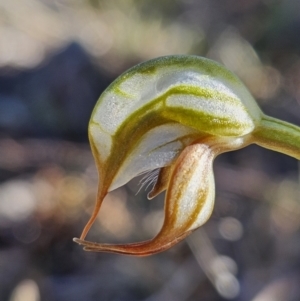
[(54, 99)]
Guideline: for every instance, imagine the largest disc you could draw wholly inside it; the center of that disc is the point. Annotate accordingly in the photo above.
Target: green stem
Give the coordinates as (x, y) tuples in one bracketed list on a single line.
[(279, 136)]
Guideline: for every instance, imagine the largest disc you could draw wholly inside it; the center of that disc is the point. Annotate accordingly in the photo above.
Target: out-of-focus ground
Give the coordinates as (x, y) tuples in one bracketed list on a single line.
[(56, 57)]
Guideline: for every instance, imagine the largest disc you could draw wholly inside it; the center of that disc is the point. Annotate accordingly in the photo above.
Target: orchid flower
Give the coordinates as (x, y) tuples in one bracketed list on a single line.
[(175, 114)]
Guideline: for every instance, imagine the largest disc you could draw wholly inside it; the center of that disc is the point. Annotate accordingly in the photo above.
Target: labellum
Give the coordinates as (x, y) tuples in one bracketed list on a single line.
[(176, 114)]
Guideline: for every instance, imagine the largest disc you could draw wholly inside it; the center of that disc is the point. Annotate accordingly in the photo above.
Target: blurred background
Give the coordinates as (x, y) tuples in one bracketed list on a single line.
[(56, 57)]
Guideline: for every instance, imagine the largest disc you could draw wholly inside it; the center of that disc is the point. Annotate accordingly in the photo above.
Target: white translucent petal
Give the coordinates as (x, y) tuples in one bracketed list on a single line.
[(138, 90), (137, 85), (112, 111), (199, 78), (216, 107), (102, 141), (156, 149), (117, 105), (208, 206), (192, 78), (197, 188)]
